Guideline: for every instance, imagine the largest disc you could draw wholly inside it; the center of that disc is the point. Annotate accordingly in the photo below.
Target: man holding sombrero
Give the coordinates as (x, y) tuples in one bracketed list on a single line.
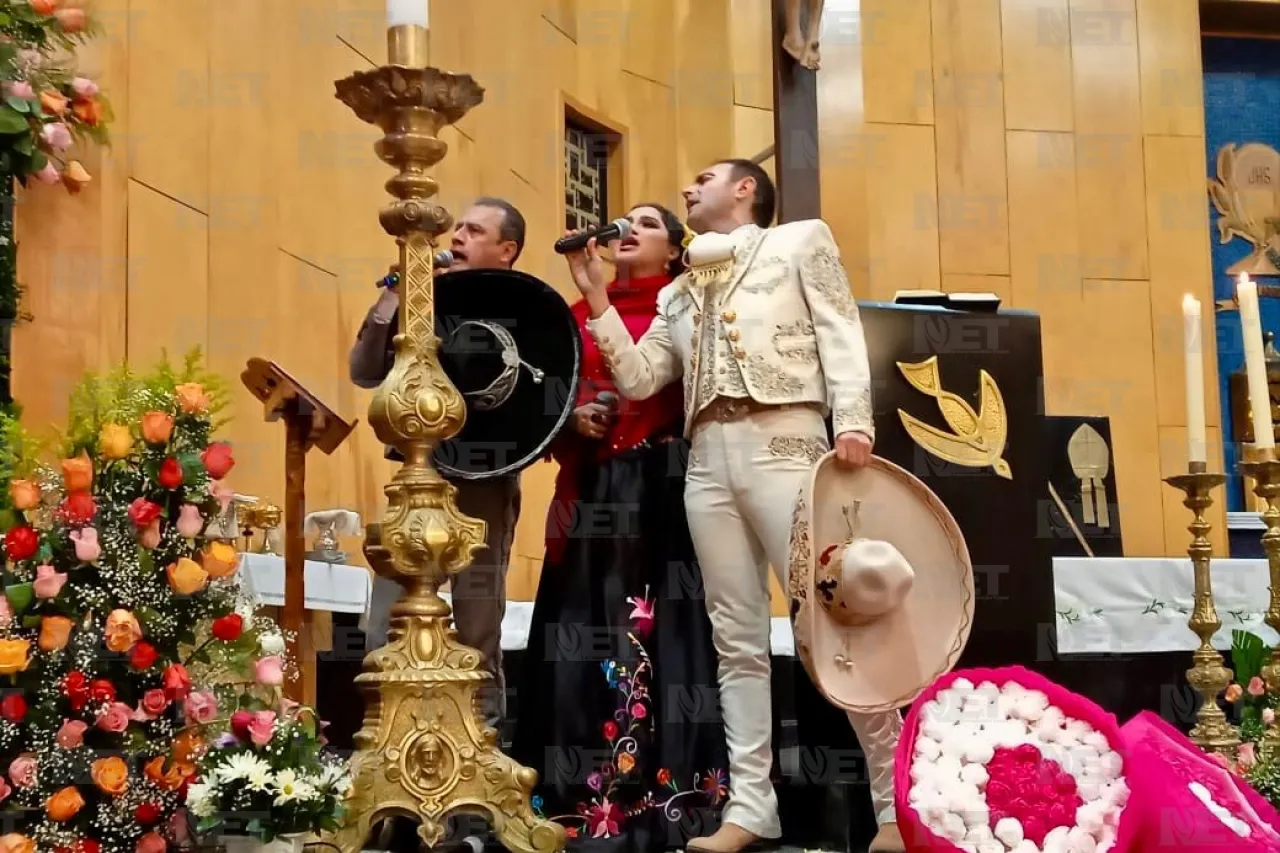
[(764, 330)]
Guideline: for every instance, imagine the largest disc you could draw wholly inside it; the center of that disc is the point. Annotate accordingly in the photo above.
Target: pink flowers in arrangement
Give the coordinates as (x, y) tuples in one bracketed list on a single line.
[(1003, 760)]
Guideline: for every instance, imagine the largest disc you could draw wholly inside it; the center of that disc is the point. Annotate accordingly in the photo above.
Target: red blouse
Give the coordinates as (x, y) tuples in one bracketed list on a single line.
[(636, 302)]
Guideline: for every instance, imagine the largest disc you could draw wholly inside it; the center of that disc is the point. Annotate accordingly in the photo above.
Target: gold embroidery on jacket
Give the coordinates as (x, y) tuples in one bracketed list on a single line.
[(823, 271)]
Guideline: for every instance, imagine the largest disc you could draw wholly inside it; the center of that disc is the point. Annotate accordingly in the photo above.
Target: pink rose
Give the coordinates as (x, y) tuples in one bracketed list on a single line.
[(262, 727), (1256, 687), (49, 174), (20, 89), (6, 611), (201, 707), (87, 547), (149, 536), (84, 87), (1245, 756), (639, 711), (151, 842), (153, 703), (115, 717), (269, 671), (22, 770), (190, 522), (57, 136), (48, 582), (222, 493), (71, 733), (1268, 716), (5, 790)]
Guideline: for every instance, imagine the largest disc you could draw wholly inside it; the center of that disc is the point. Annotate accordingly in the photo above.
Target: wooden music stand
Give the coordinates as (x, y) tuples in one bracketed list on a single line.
[(309, 423)]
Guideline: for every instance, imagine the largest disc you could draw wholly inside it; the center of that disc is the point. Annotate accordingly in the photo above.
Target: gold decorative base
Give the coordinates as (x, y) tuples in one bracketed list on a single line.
[(1264, 470), (1208, 674), (424, 751)]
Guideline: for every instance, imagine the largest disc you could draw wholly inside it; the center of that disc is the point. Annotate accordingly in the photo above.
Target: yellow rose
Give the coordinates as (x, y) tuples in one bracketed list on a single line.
[(115, 441), (65, 804), (123, 631), (14, 656), (55, 632), (191, 398), (24, 494), (220, 559), (157, 427), (186, 577)]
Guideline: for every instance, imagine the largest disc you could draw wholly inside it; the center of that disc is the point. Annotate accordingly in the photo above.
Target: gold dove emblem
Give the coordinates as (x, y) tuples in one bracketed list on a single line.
[(978, 438)]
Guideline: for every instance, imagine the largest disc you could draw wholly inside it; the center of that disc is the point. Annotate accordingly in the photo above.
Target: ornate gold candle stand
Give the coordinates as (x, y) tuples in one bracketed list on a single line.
[(1263, 468), (424, 751), (1208, 674)]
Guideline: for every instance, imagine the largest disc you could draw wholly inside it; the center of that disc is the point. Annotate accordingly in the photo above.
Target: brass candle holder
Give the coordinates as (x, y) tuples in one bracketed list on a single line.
[(424, 751), (1208, 675), (1263, 468)]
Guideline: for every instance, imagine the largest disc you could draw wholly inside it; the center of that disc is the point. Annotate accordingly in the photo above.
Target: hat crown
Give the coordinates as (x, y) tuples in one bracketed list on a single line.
[(875, 578)]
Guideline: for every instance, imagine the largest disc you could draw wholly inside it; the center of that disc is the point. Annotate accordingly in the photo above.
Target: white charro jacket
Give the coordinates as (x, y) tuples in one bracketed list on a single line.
[(783, 329)]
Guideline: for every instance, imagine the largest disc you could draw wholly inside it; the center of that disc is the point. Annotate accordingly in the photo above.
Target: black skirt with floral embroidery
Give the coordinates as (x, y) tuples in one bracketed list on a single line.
[(619, 708)]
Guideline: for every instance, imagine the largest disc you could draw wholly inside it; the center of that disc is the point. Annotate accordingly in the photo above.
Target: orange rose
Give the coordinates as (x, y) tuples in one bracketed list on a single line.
[(65, 804), (14, 656), (186, 577), (626, 762), (72, 20), (88, 111), (171, 779), (44, 7), (122, 630), (77, 474), (24, 494), (75, 177), (220, 559), (157, 427), (53, 103), (115, 441), (187, 746), (191, 398), (55, 631), (16, 842), (111, 775)]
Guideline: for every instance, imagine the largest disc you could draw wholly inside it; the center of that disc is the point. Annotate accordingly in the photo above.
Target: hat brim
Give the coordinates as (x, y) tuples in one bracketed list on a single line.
[(518, 432), (892, 659)]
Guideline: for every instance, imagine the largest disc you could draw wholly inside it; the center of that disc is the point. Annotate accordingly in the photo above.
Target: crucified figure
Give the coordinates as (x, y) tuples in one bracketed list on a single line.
[(803, 43)]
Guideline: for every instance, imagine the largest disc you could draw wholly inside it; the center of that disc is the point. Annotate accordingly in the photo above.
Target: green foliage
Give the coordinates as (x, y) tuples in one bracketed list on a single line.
[(1248, 654), (1265, 779)]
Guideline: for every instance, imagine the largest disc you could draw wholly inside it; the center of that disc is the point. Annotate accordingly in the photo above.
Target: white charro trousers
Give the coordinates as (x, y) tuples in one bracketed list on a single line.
[(744, 478)]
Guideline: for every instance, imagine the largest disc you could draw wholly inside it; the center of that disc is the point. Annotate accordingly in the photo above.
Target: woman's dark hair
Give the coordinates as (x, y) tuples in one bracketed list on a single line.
[(675, 235)]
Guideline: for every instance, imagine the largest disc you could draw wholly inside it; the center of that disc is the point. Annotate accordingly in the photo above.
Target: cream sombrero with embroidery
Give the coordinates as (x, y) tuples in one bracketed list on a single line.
[(880, 582)]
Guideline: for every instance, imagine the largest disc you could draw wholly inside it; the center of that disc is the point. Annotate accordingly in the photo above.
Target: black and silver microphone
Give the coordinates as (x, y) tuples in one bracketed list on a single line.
[(618, 229), (609, 400), (442, 259)]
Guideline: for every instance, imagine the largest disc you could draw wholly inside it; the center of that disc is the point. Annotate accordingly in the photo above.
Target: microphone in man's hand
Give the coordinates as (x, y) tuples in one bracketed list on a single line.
[(618, 229), (609, 400), (442, 259)]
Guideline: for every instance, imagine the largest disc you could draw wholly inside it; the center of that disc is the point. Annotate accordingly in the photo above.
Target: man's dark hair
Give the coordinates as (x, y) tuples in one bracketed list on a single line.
[(512, 227), (762, 206)]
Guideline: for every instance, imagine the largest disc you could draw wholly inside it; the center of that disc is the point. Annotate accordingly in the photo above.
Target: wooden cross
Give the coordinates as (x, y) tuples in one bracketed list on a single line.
[(795, 129)]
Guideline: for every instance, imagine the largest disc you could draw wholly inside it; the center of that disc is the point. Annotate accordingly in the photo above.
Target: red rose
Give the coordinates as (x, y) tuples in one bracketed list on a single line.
[(142, 512), (143, 655), (21, 543), (227, 628), (13, 707), (87, 845), (664, 776), (240, 721), (79, 508), (147, 814), (177, 684), (610, 730), (76, 687), (170, 474), (217, 460), (154, 702), (101, 690)]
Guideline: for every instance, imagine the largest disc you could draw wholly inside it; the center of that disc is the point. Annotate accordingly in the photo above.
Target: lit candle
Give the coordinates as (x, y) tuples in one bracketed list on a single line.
[(1255, 363), (401, 12), (1191, 344)]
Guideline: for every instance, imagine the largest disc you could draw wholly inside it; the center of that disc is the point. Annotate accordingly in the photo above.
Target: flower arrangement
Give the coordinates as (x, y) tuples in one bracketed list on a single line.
[(126, 639), (998, 760), (270, 777)]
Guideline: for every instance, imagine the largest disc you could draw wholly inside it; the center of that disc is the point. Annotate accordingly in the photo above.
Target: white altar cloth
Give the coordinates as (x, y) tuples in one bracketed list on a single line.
[(336, 588)]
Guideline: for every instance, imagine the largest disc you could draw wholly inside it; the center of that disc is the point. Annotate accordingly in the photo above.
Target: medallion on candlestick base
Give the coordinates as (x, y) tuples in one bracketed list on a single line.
[(1208, 674), (424, 751), (1264, 470)]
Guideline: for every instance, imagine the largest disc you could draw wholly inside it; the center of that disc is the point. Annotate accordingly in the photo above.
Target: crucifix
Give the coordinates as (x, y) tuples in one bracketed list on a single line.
[(795, 107)]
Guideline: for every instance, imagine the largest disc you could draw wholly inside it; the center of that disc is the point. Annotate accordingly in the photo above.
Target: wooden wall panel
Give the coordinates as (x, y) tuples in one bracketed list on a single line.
[(897, 66), (1036, 40), (902, 194), (1172, 76)]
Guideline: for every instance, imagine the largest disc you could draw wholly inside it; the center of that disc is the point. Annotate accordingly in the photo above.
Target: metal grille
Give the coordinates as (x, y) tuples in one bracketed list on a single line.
[(585, 177)]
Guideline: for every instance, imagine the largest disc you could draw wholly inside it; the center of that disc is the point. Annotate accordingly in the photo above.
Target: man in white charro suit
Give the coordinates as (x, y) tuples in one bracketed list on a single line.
[(764, 330)]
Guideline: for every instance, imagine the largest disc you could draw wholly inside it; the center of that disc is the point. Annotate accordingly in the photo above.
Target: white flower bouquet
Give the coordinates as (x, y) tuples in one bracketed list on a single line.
[(1188, 800), (1000, 760)]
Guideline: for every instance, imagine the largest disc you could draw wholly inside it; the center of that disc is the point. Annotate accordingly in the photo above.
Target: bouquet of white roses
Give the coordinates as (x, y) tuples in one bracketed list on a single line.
[(268, 777), (1004, 760)]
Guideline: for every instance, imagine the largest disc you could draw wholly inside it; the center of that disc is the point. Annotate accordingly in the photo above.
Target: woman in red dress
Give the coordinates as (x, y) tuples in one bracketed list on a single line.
[(619, 703)]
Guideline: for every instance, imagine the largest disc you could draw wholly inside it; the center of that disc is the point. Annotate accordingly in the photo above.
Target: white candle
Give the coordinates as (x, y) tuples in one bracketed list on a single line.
[(1191, 344), (1255, 363), (406, 12)]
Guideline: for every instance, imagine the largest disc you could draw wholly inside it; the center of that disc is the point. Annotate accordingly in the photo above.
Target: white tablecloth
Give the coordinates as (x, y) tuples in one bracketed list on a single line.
[(1142, 604), (336, 588)]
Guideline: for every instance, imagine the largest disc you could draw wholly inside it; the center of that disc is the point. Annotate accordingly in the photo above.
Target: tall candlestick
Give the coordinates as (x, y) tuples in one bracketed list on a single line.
[(1255, 363), (1191, 344), (400, 12)]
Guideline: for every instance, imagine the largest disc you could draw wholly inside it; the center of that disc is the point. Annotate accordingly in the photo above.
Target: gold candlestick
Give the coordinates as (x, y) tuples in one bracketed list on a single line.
[(1263, 468), (424, 750), (1208, 674)]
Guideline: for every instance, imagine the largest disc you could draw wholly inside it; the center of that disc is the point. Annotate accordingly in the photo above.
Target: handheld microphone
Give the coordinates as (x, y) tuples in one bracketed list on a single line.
[(442, 259), (618, 229), (607, 398)]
